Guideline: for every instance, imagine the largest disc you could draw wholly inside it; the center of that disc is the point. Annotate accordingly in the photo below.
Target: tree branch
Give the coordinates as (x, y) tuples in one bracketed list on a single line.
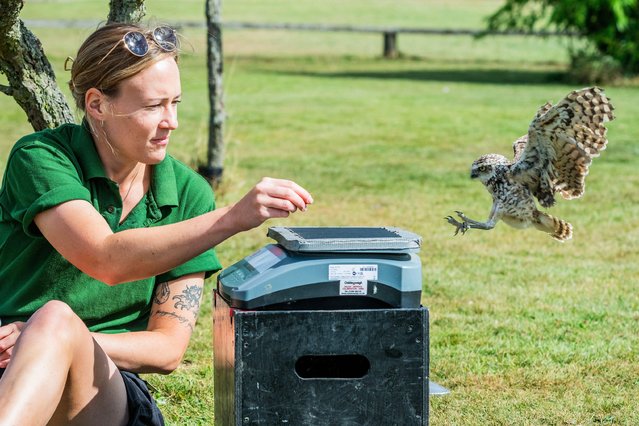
[(7, 90), (31, 78)]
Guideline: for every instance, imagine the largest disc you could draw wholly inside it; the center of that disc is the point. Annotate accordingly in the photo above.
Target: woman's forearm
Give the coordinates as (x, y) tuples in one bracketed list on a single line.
[(143, 351), (145, 252)]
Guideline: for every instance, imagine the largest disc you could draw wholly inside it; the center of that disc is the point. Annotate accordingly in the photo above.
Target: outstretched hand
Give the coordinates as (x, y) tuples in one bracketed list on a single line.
[(270, 198)]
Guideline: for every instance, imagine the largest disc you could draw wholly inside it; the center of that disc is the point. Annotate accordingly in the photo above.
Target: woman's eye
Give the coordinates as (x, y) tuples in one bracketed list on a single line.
[(152, 107)]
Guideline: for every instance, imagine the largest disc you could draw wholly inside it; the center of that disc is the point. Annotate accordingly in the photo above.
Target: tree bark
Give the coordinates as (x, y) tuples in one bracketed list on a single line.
[(129, 11), (215, 156), (31, 78)]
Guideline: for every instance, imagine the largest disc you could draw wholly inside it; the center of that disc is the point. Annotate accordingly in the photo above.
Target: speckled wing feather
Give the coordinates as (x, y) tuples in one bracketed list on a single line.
[(561, 144), (520, 144)]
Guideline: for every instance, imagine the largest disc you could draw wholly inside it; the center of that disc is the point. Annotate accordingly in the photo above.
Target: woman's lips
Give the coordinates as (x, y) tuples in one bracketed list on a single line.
[(160, 141)]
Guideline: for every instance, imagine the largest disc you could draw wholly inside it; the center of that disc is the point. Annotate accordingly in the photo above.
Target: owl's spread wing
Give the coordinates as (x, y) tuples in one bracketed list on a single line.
[(520, 144), (562, 140)]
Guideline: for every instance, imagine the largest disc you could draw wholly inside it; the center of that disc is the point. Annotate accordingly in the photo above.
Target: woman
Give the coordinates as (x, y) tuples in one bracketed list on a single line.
[(105, 241)]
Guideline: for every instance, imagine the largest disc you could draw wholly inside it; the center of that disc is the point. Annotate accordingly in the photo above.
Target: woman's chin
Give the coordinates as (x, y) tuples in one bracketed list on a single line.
[(156, 157)]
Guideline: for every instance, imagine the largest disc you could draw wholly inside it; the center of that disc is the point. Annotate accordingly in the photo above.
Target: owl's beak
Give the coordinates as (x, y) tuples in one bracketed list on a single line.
[(474, 174)]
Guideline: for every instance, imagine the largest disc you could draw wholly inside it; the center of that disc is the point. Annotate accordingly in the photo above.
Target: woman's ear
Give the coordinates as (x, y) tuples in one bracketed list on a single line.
[(94, 102)]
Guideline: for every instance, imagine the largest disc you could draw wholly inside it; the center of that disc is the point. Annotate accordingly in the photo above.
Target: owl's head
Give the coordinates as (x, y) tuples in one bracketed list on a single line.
[(484, 167)]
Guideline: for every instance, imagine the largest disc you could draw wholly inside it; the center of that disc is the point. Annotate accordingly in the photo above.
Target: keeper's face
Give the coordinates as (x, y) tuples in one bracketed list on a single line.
[(139, 120)]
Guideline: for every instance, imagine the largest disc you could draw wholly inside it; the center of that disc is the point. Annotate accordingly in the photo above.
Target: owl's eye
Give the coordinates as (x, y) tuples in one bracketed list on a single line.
[(483, 169)]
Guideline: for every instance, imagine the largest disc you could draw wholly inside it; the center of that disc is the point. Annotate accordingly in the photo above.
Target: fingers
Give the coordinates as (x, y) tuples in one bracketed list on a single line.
[(270, 198), (276, 213), (5, 357), (8, 330), (8, 337), (5, 331), (283, 195)]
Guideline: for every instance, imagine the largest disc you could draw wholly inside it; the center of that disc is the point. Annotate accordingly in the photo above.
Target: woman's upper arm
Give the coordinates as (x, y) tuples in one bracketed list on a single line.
[(78, 232), (176, 305)]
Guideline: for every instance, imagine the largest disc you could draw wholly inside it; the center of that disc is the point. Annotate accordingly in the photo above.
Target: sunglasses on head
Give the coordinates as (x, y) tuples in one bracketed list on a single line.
[(137, 42)]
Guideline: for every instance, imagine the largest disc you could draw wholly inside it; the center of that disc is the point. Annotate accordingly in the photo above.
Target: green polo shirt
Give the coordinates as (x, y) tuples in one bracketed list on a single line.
[(53, 166)]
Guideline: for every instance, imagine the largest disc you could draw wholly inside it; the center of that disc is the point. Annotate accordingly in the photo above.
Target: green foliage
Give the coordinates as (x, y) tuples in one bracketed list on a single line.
[(589, 66), (610, 26)]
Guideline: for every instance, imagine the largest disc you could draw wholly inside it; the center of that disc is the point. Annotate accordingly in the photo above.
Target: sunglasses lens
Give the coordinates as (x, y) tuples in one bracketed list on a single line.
[(166, 38), (136, 43)]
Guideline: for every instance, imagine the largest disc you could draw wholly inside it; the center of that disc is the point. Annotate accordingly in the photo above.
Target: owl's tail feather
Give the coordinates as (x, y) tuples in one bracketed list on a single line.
[(559, 229)]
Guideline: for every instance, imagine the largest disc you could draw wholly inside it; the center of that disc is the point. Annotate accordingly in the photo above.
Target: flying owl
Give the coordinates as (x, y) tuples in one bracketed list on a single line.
[(553, 157)]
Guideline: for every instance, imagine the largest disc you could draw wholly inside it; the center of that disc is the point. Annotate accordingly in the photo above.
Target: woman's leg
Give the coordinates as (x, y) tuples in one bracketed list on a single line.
[(59, 374)]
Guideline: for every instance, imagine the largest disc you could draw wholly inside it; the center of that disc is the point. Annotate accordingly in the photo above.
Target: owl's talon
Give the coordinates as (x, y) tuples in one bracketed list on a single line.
[(462, 216), (460, 226)]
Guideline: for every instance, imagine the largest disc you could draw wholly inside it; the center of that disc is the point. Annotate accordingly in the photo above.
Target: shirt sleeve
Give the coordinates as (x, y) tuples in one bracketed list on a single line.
[(196, 198), (207, 262), (38, 177)]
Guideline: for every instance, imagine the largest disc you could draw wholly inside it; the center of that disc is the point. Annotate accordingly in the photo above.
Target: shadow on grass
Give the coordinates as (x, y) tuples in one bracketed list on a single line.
[(486, 76)]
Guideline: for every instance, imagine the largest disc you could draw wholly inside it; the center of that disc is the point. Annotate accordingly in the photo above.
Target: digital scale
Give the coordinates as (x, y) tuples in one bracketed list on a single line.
[(328, 268)]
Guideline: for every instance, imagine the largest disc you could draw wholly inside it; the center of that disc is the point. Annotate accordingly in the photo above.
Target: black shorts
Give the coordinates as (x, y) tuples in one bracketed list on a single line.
[(143, 410)]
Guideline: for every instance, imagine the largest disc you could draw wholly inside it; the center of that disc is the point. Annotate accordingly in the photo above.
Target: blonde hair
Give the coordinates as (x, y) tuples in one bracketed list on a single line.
[(103, 61)]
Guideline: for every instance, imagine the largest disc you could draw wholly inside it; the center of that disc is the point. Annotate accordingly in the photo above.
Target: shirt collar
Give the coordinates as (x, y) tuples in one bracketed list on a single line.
[(84, 148), (163, 184)]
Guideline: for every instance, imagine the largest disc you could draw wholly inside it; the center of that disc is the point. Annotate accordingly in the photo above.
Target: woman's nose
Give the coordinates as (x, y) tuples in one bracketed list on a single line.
[(170, 119)]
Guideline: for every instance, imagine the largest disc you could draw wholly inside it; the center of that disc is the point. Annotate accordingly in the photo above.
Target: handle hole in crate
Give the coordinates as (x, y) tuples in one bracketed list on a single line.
[(349, 366)]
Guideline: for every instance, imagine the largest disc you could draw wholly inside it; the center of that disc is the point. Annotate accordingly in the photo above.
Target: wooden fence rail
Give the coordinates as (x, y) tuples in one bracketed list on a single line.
[(389, 33)]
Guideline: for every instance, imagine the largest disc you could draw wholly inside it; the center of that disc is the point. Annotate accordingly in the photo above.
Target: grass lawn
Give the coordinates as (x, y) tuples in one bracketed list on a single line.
[(524, 330)]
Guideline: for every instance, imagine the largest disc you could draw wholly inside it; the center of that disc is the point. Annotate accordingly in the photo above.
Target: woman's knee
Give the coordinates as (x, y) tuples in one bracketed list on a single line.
[(56, 320)]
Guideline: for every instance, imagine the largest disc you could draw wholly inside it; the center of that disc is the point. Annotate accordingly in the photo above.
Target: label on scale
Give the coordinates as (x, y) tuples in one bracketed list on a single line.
[(343, 272), (353, 279), (353, 287)]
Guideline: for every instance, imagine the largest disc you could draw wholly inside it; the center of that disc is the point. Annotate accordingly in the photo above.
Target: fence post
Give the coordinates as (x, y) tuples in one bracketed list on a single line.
[(390, 45)]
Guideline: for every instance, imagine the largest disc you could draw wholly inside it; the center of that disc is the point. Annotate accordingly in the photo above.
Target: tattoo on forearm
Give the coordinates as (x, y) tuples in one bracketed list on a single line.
[(162, 293), (189, 299), (176, 316)]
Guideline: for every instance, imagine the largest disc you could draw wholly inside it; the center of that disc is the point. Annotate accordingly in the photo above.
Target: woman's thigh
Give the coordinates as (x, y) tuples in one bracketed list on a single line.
[(60, 372)]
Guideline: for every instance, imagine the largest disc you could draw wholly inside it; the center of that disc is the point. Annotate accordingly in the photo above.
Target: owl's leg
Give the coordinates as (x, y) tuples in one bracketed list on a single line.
[(468, 223), (559, 229), (490, 224)]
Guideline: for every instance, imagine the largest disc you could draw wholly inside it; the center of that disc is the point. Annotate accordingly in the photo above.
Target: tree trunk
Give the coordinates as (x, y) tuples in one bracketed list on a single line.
[(214, 168), (31, 78), (129, 11)]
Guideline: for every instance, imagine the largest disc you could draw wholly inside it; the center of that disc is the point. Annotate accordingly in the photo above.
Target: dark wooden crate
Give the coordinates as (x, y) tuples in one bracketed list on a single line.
[(321, 367)]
